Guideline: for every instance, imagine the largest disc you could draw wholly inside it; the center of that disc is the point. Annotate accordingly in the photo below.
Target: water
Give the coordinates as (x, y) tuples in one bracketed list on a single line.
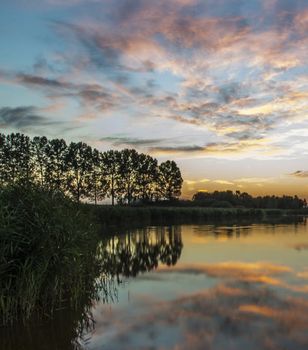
[(231, 286)]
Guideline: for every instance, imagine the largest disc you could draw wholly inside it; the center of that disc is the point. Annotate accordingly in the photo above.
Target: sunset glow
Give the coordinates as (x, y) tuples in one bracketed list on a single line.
[(221, 87)]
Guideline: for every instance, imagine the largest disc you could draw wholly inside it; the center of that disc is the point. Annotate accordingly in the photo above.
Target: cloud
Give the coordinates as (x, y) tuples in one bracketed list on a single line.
[(223, 182), (253, 179), (300, 174), (195, 182), (222, 68), (176, 149), (130, 141), (212, 148), (91, 96), (35, 80), (21, 118)]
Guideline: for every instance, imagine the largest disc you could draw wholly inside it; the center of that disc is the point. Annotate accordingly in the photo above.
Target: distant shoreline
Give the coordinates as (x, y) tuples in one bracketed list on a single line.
[(127, 216)]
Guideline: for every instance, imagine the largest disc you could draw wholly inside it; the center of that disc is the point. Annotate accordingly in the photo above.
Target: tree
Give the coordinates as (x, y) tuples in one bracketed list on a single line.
[(39, 145), (110, 172), (169, 180), (55, 174), (128, 171), (146, 177), (228, 198), (16, 160), (78, 170), (96, 182), (79, 166), (3, 174)]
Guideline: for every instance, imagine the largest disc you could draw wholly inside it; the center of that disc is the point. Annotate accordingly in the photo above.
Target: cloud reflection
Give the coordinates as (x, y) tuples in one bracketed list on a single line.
[(245, 309)]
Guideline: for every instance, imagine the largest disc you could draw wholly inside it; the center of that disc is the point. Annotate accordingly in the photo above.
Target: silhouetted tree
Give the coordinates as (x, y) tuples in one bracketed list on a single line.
[(85, 173), (238, 199), (147, 173), (110, 172), (79, 168), (55, 173), (39, 145), (97, 186), (128, 172), (169, 180), (3, 170), (16, 160)]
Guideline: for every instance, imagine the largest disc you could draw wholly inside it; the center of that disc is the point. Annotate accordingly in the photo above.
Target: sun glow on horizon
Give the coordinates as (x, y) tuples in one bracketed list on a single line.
[(221, 88)]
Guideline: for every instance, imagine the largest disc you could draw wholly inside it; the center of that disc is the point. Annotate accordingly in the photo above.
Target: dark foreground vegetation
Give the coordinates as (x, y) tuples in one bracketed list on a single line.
[(47, 252)]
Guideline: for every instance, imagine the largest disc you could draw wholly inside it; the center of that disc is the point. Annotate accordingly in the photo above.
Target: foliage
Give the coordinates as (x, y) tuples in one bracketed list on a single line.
[(46, 251), (56, 168), (242, 199), (169, 180), (16, 164), (85, 173), (79, 166)]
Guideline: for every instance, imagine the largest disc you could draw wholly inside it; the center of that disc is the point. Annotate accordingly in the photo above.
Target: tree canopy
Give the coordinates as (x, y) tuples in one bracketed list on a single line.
[(243, 199), (83, 172)]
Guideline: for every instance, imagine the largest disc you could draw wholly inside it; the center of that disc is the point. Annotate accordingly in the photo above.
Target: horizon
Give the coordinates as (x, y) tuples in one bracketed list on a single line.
[(220, 87)]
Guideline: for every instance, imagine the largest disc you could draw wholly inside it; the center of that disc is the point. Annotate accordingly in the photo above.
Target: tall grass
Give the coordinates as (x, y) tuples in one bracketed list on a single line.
[(47, 252)]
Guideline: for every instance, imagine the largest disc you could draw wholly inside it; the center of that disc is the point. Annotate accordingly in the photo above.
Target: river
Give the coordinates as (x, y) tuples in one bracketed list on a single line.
[(212, 286)]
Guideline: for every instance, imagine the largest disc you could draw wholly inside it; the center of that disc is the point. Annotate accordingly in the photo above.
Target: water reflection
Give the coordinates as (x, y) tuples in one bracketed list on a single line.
[(64, 332), (140, 251), (220, 286), (121, 256), (235, 286), (244, 227), (229, 316)]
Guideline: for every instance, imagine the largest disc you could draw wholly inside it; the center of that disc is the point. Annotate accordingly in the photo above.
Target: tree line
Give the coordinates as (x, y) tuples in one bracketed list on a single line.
[(83, 172), (243, 199)]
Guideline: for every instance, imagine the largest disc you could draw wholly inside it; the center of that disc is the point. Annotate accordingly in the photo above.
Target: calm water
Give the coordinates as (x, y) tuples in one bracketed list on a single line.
[(190, 287)]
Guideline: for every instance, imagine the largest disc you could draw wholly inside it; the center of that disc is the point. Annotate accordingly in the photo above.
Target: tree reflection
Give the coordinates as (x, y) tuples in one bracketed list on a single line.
[(123, 255), (244, 228), (141, 251)]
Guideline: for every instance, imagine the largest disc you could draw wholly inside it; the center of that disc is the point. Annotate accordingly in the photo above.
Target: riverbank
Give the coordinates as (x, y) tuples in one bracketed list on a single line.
[(123, 216)]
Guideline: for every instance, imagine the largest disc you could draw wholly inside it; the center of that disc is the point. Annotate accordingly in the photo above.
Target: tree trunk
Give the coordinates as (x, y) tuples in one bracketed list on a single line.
[(95, 195), (112, 191)]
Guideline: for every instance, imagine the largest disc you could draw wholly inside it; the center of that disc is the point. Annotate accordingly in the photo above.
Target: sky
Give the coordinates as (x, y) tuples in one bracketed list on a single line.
[(219, 86)]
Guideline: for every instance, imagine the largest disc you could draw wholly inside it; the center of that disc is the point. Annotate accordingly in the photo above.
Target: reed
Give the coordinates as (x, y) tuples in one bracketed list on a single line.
[(47, 251)]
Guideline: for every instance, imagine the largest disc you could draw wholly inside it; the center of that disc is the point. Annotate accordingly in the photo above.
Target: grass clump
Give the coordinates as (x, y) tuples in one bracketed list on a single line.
[(47, 252)]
